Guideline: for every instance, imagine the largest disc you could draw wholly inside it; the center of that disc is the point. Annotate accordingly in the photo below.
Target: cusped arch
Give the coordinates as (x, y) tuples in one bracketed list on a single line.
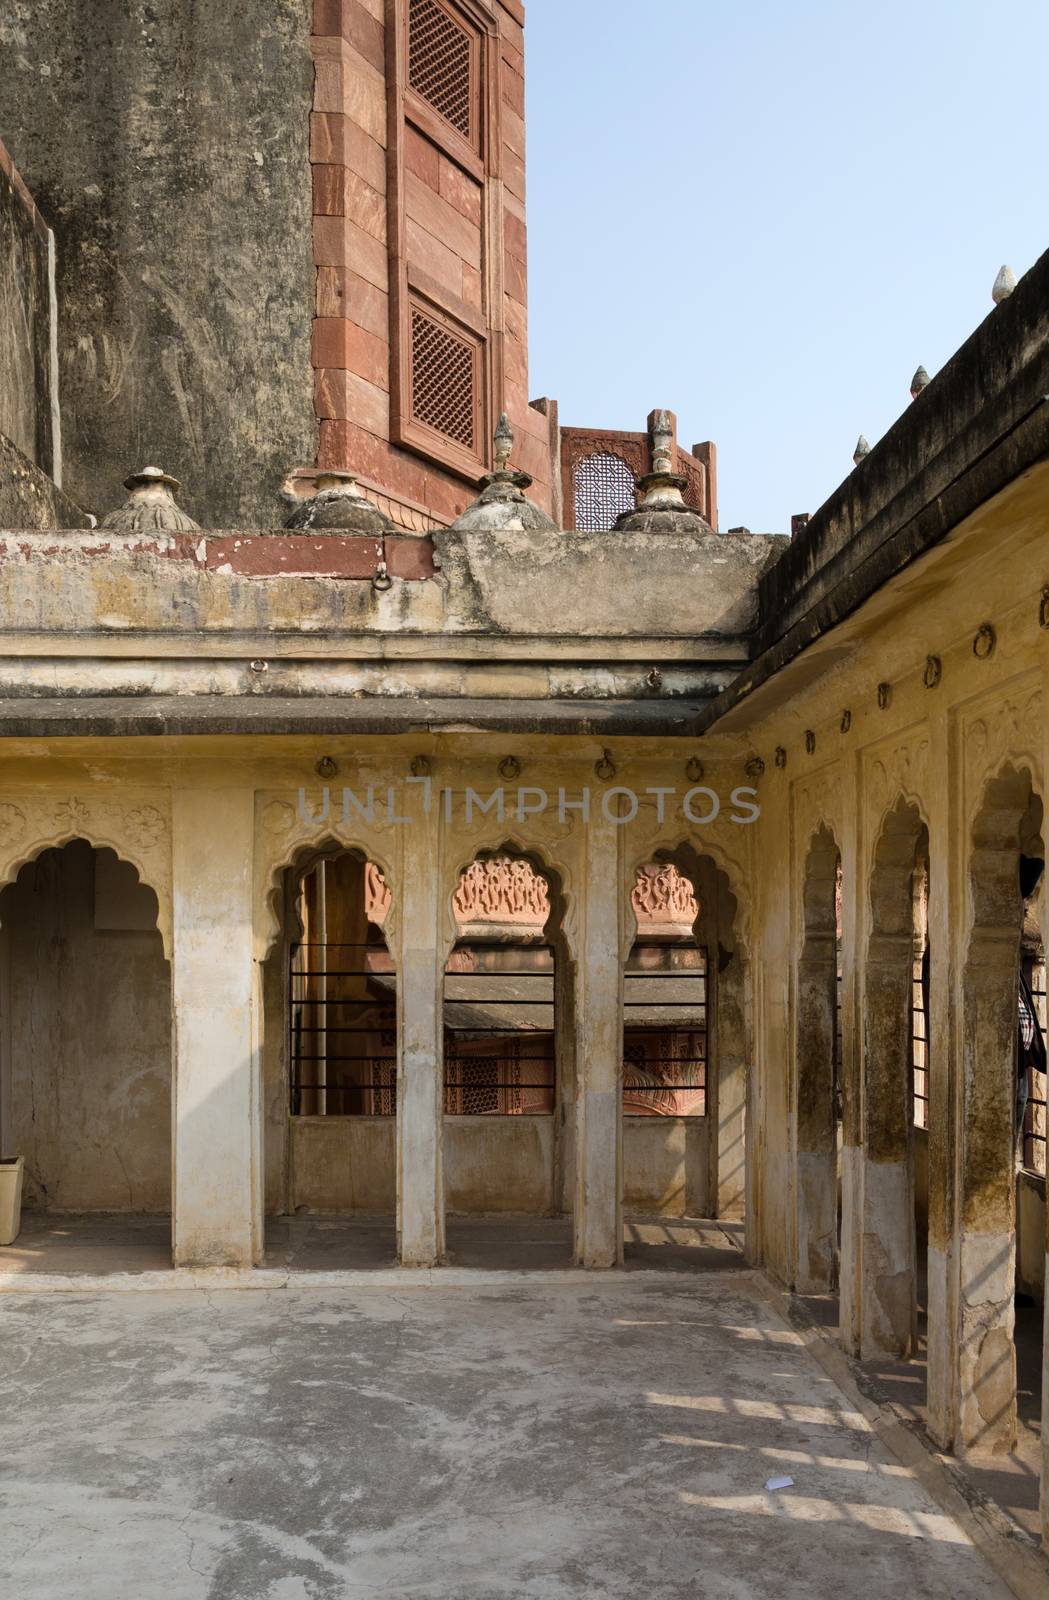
[(1007, 822), (903, 827), (299, 855), (821, 869), (684, 854), (15, 858)]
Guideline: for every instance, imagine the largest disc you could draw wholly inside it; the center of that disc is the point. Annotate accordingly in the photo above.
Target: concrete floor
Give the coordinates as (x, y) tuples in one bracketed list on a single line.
[(1012, 1481), (97, 1243), (499, 1443)]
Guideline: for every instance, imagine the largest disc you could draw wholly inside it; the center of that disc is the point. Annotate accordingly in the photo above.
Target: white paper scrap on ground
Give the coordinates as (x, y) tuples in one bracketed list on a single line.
[(780, 1483)]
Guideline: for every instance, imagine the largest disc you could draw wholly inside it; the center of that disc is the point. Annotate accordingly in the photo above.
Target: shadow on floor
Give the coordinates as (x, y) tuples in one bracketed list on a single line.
[(100, 1243), (500, 1244), (96, 1242), (1011, 1481)]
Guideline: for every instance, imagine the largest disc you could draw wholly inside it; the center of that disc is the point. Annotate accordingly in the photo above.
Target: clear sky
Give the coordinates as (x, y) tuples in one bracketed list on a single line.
[(766, 215)]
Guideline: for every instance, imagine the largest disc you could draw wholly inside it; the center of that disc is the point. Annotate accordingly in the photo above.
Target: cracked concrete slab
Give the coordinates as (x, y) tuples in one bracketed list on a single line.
[(545, 1441)]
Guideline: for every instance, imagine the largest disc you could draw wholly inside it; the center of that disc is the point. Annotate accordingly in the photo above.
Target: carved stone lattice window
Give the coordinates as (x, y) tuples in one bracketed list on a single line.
[(444, 380), (604, 487), (473, 1089), (441, 65)]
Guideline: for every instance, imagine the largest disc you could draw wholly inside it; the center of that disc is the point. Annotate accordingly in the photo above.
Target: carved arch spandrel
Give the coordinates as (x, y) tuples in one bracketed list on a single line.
[(817, 802), (1010, 732), (648, 840), (552, 857), (137, 827), (897, 769)]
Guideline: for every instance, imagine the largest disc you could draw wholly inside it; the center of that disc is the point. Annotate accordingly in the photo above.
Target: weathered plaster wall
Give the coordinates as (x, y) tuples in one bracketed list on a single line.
[(343, 1164), (25, 322), (168, 146), (666, 1166), (87, 1038), (28, 497), (927, 708), (496, 1164), (1031, 1234)]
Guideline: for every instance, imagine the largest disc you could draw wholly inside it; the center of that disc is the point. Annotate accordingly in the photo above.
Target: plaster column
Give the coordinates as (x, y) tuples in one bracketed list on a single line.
[(816, 1197), (598, 1232), (888, 1303), (217, 1218), (730, 1021), (565, 1043), (946, 922), (854, 870), (986, 1401), (420, 1054)]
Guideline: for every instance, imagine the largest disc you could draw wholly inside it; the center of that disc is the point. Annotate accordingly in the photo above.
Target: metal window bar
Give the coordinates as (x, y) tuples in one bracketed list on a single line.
[(839, 1047), (665, 1032), (342, 1008), (500, 1056), (1034, 1139), (920, 1039)]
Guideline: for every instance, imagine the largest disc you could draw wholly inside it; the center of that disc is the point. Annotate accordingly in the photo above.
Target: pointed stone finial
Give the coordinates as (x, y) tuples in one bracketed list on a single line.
[(920, 381), (862, 449), (662, 434), (502, 505), (504, 444), (662, 508), (1004, 285)]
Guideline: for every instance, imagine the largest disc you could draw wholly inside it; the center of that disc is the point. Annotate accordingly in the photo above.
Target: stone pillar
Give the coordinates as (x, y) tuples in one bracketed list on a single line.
[(1045, 1399), (947, 917), (420, 1055), (887, 1264), (888, 1324), (217, 1219), (730, 1022), (564, 1051), (599, 1045), (854, 871), (816, 1130), (986, 1414)]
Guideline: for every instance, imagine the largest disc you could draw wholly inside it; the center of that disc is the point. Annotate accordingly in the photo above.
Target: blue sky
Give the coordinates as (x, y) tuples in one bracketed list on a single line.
[(765, 216)]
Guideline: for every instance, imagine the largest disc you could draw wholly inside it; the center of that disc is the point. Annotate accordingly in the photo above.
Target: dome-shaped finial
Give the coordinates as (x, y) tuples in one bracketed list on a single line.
[(502, 505), (337, 505), (1003, 285), (862, 449), (504, 444), (920, 381), (150, 506)]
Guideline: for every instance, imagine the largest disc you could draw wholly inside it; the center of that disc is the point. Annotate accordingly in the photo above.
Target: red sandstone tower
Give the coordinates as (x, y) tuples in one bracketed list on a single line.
[(421, 330)]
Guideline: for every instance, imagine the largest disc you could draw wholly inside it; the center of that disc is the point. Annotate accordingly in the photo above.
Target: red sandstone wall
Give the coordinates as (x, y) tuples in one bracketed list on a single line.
[(634, 450), (403, 207)]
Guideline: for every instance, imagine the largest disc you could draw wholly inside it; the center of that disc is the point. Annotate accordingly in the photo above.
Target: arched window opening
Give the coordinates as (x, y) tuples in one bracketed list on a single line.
[(604, 488), (665, 1000), (342, 993), (891, 1303), (85, 1061), (499, 1034)]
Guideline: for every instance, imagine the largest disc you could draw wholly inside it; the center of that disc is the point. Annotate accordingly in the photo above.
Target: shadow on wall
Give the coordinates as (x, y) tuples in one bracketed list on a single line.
[(86, 1056)]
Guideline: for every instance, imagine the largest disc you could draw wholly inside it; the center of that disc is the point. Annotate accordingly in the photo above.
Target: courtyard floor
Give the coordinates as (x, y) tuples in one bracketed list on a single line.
[(547, 1440)]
